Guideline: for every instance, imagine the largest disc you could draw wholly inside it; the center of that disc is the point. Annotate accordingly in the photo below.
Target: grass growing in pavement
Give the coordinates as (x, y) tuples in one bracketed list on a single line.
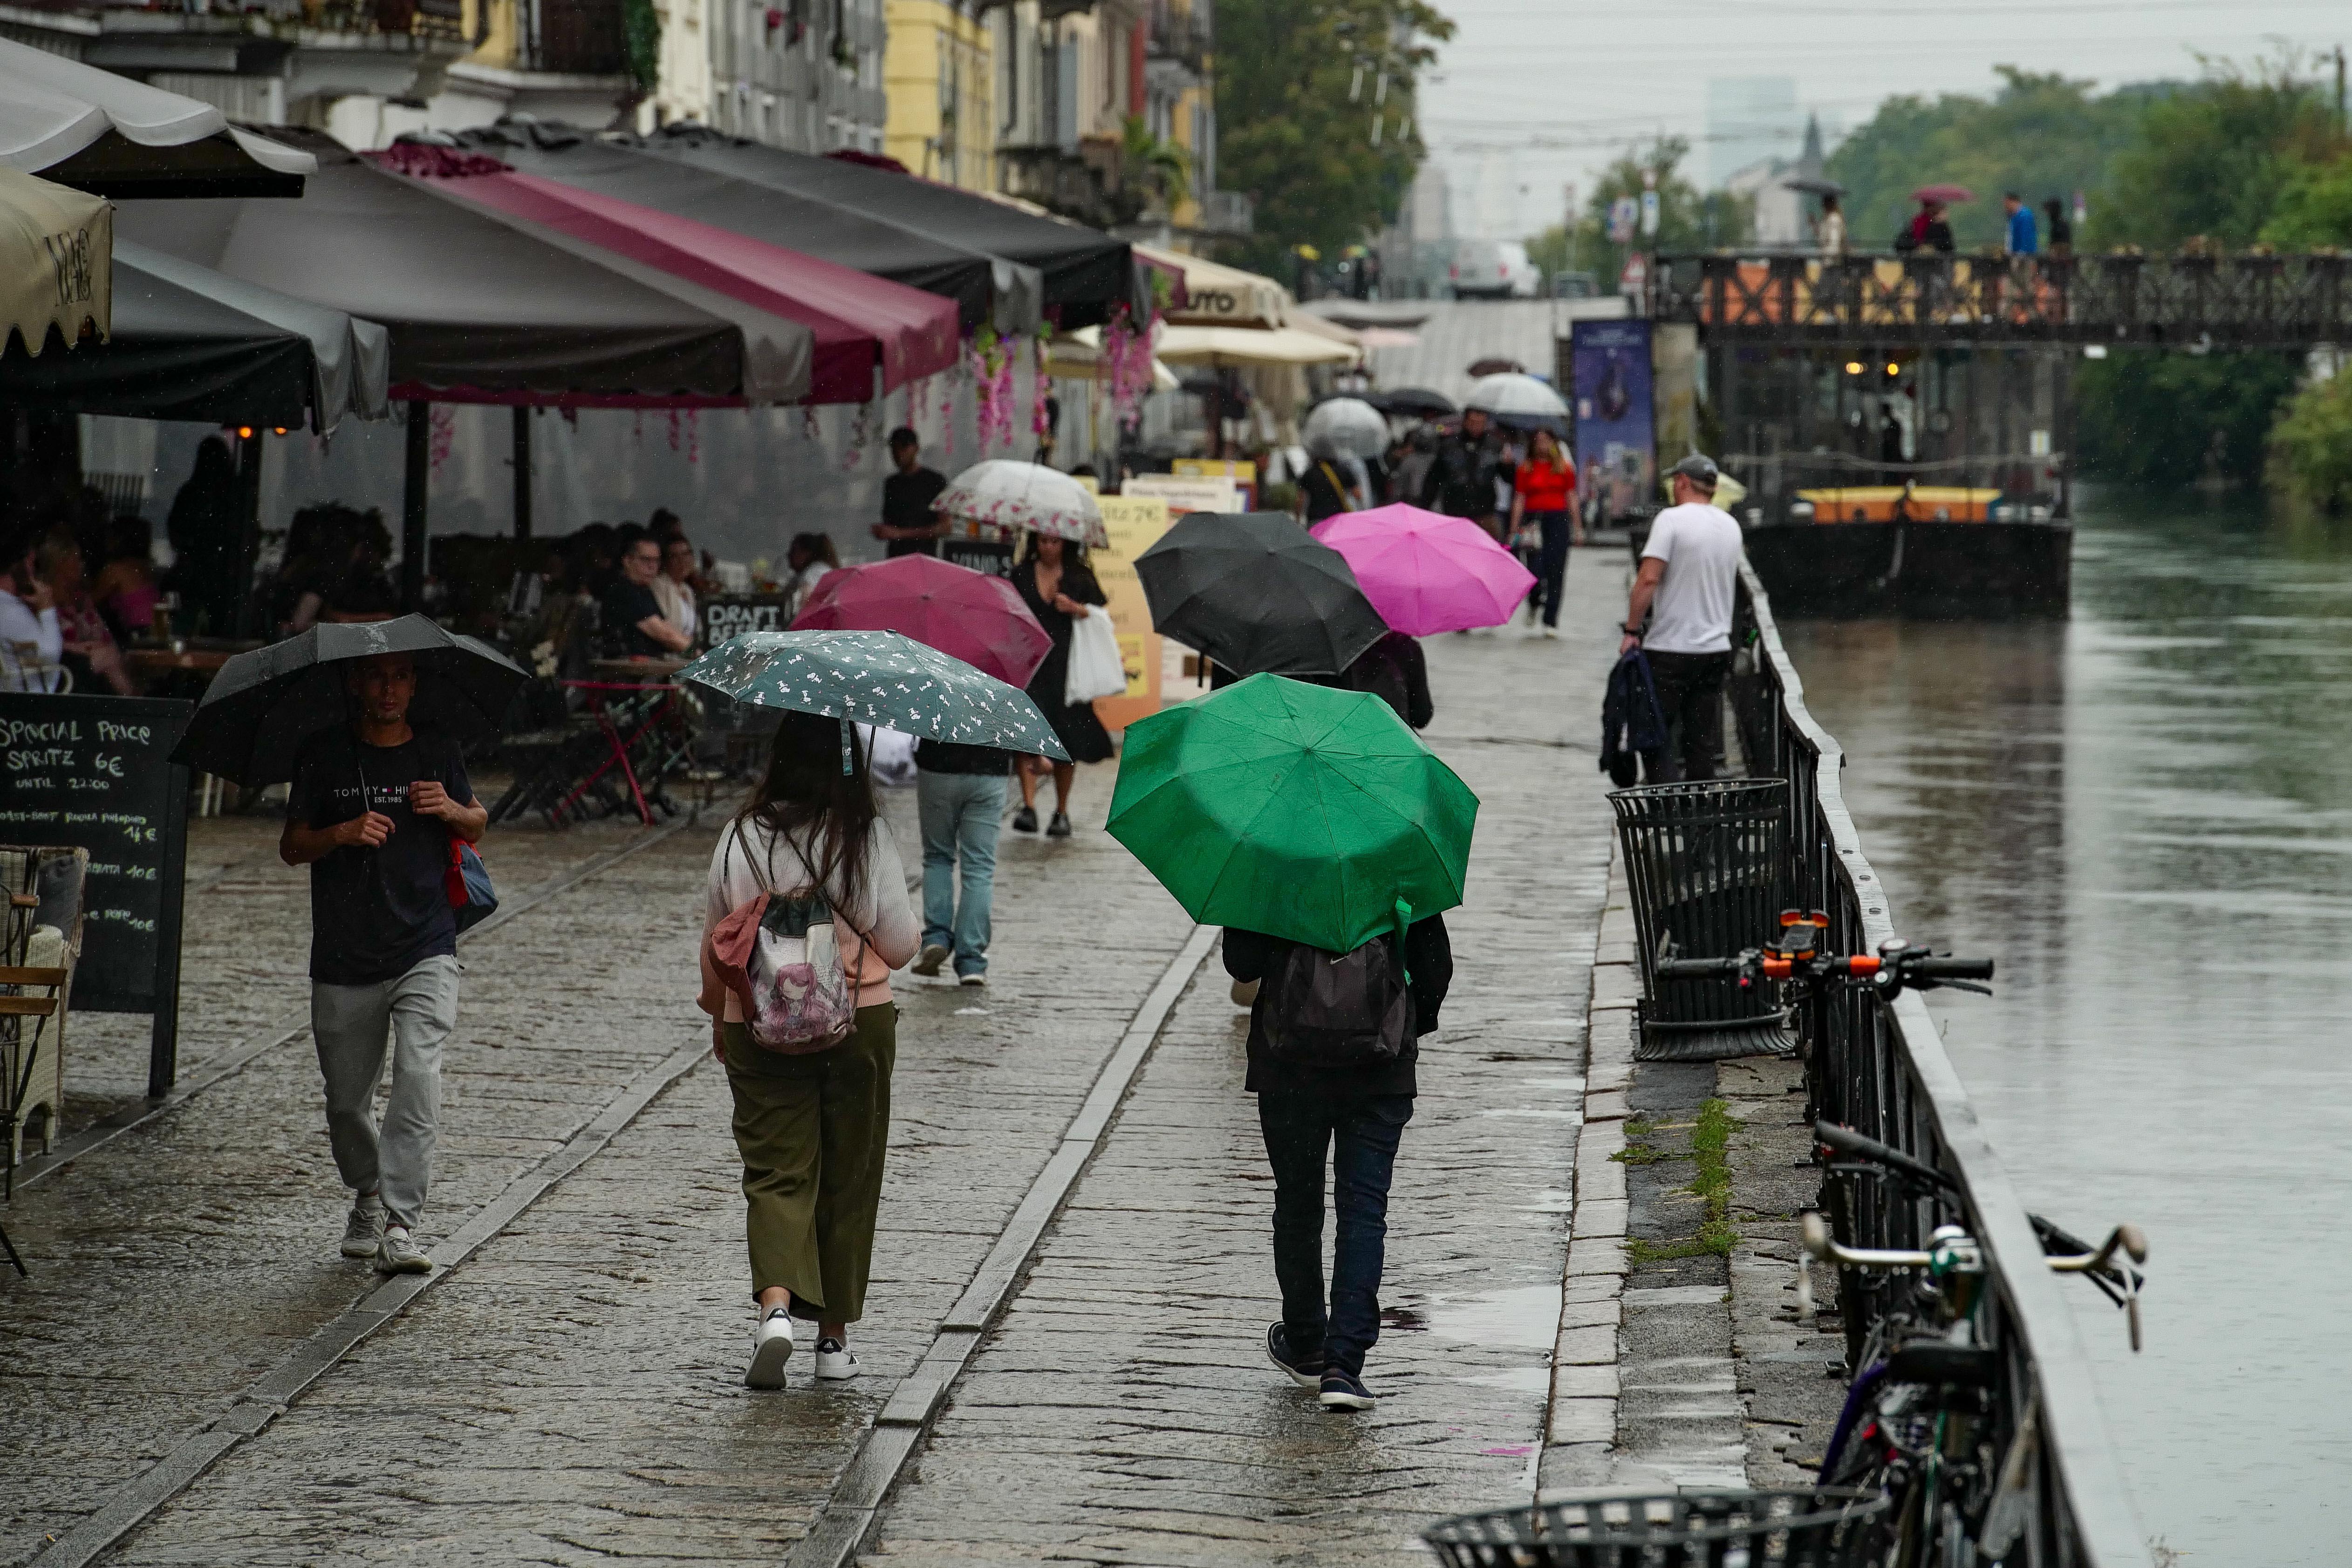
[(1710, 1135)]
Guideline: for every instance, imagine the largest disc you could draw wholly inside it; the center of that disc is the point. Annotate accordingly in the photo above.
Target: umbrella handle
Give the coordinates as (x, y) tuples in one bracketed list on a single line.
[(1403, 919), (847, 765)]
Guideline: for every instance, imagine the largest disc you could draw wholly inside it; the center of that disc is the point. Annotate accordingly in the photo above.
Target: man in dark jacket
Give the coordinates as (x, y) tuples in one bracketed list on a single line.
[(1353, 1118), (1461, 477)]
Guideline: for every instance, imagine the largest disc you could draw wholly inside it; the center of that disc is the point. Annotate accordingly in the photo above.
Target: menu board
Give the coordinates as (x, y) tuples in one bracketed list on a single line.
[(731, 614), (97, 771)]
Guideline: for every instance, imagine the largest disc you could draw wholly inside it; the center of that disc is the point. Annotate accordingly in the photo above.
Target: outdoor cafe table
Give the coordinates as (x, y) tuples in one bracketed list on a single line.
[(646, 726)]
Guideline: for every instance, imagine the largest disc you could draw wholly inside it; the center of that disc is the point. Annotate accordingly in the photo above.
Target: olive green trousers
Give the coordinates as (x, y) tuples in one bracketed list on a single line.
[(812, 1130)]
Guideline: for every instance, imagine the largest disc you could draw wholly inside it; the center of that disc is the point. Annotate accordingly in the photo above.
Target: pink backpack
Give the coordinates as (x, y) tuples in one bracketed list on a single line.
[(783, 957)]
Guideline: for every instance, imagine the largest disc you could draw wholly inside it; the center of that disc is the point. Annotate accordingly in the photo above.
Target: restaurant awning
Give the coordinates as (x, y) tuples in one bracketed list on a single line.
[(1244, 346), (1085, 271), (111, 136), (56, 249), (1216, 295), (985, 287), (481, 307), (860, 324), (189, 344)]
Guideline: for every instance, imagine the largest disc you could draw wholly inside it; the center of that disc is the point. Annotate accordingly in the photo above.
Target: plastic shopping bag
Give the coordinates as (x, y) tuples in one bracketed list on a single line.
[(1095, 666)]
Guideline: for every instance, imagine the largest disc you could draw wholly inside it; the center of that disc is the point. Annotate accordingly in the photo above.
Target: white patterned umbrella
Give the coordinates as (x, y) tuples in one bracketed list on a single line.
[(1025, 495), (1520, 402), (1346, 427), (876, 678)]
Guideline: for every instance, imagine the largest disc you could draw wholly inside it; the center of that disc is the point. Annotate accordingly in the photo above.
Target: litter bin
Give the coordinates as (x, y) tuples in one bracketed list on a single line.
[(1827, 1528), (1707, 868)]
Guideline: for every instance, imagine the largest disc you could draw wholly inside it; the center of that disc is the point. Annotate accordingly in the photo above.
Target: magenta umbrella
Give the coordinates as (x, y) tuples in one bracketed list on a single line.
[(964, 614), (1426, 572)]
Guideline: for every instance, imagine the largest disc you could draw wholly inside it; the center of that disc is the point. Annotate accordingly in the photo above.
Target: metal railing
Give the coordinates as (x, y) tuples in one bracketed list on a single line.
[(1882, 1070), (2245, 300)]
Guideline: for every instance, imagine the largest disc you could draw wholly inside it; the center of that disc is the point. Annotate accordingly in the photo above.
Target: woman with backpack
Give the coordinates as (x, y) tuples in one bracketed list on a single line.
[(1332, 1048), (811, 1081)]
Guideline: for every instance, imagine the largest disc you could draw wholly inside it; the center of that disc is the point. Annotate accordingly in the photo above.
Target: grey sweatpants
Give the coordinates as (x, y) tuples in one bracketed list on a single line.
[(413, 1013)]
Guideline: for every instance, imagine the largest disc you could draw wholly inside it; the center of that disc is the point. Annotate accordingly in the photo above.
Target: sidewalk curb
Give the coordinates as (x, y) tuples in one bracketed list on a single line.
[(840, 1530)]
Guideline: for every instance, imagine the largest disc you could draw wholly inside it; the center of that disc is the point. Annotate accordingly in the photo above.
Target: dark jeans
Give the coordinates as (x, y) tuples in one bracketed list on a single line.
[(1551, 576), (1690, 698), (1360, 1134)]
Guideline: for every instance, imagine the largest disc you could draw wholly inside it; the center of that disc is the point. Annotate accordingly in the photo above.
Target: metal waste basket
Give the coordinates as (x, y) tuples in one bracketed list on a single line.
[(1706, 868), (1828, 1528)]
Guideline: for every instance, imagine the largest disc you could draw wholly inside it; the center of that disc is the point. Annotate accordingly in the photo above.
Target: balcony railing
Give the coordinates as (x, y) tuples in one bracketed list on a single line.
[(1182, 32), (1882, 1070), (2246, 301), (1227, 212), (578, 38)]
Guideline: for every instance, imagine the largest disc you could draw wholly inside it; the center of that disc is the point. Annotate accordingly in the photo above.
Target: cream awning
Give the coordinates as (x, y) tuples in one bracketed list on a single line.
[(1221, 296), (1250, 346), (57, 261)]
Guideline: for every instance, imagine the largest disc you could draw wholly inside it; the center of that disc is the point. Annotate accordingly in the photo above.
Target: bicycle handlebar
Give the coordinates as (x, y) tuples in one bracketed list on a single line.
[(1949, 968), (2126, 1238), (1699, 968)]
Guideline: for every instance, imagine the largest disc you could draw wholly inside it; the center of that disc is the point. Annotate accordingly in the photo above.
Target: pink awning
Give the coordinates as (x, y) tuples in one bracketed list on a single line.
[(860, 322)]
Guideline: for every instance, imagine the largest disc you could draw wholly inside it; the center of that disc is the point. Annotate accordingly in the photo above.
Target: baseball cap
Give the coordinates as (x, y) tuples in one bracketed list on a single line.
[(1699, 467)]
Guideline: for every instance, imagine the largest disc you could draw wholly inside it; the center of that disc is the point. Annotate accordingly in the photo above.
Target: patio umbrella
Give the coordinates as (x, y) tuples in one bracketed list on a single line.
[(1293, 810), (1811, 187), (1520, 402), (57, 261), (860, 325), (976, 616), (985, 287), (1426, 572), (190, 343), (1414, 401), (876, 678), (1495, 366), (1250, 346), (111, 136), (1084, 272), (264, 704), (1346, 427), (1946, 194), (1254, 592), (1010, 494)]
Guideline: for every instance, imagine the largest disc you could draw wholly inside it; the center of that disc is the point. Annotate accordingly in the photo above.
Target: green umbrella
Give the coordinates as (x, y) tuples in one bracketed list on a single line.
[(876, 678), (1294, 810)]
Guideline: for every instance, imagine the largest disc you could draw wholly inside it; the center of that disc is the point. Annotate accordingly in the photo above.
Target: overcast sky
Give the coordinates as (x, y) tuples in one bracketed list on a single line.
[(1558, 88)]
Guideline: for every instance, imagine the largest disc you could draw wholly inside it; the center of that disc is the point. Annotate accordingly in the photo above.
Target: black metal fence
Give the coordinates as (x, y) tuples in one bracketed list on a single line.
[(1882, 1071), (2243, 300)]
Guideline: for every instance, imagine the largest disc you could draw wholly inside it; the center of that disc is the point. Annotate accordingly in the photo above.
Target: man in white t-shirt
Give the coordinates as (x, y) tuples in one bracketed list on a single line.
[(1684, 588)]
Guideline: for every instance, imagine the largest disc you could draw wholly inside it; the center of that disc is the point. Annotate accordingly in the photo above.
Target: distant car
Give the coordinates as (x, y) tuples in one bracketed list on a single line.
[(1494, 270)]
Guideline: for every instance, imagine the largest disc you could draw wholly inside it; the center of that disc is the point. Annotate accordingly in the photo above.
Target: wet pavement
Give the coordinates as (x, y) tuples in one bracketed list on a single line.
[(571, 1389)]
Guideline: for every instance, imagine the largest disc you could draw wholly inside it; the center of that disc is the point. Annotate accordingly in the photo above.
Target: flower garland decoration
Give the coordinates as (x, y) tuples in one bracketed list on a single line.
[(444, 434), (861, 435), (992, 373), (1041, 423)]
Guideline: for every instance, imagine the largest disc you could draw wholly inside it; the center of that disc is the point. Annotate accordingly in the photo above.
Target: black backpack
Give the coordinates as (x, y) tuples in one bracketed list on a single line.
[(1337, 1010)]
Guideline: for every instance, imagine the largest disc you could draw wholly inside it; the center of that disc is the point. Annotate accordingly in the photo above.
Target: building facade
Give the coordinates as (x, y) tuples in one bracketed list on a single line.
[(939, 71), (802, 74)]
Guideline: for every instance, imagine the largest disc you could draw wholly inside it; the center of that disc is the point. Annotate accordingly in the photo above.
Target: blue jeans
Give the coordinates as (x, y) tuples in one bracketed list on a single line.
[(1360, 1134), (1552, 576), (961, 813)]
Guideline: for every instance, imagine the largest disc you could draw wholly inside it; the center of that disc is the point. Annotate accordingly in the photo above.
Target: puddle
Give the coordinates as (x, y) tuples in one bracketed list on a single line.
[(1518, 1380), (1540, 1113), (971, 1012), (1403, 1319), (1567, 1085), (1551, 1200), (1527, 1316)]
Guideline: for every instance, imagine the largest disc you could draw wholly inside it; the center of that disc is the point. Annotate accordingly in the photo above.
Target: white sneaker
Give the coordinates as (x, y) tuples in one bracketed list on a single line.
[(771, 1347), (932, 957), (364, 1227), (834, 1364), (971, 979), (397, 1254), (1552, 633)]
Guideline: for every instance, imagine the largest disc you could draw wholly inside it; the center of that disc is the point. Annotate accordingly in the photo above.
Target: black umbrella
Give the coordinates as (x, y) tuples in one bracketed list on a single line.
[(1418, 401), (1256, 592), (264, 704)]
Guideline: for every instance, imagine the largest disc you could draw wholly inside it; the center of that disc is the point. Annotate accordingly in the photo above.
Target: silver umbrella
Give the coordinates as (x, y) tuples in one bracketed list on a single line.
[(1519, 402), (1346, 427)]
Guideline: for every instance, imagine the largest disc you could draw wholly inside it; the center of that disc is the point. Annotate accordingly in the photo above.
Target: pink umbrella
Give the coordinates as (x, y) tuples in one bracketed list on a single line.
[(964, 614), (1426, 572)]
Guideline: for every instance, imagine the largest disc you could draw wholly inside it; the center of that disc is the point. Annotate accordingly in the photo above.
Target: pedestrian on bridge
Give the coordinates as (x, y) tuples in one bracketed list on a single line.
[(813, 1125), (1685, 592), (371, 810)]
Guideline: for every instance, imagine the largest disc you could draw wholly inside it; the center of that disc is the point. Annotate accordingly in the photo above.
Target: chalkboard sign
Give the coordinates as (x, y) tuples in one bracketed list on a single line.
[(731, 614), (96, 772)]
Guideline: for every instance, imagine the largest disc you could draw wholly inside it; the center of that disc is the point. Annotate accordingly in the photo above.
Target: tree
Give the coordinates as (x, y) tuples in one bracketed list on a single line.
[(1316, 116), (1161, 166), (2314, 207), (2040, 136), (2163, 416), (2310, 446), (2213, 161), (1686, 220)]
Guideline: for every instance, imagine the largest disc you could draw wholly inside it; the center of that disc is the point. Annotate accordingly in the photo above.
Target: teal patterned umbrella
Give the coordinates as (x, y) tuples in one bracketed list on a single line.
[(876, 678)]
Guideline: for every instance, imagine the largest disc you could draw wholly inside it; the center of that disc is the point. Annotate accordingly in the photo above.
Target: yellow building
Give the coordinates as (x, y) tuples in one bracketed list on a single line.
[(938, 71)]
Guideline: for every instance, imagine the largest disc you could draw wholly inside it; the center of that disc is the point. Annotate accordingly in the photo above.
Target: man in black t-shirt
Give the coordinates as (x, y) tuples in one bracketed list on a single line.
[(373, 811), (909, 525), (635, 627)]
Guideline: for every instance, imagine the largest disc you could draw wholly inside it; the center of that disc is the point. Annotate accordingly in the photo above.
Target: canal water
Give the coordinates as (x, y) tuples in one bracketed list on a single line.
[(2146, 814)]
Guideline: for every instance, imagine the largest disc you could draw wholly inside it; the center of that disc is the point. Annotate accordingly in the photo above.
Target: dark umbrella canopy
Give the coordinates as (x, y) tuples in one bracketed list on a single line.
[(985, 287), (1254, 592), (1085, 271), (481, 307), (264, 704), (1414, 401)]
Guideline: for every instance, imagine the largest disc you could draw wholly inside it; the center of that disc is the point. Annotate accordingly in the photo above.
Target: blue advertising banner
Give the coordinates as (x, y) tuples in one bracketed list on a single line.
[(1616, 431)]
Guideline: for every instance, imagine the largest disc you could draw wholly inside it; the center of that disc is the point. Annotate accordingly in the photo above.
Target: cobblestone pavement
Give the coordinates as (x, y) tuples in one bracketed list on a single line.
[(573, 1390)]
